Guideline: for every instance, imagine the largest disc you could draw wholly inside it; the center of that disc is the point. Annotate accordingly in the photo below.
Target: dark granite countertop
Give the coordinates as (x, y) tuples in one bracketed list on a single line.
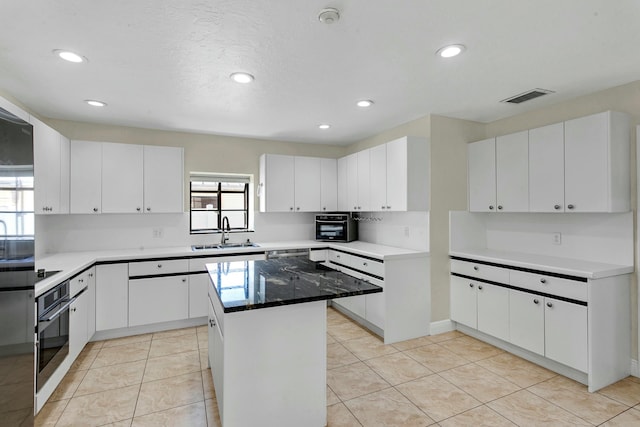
[(247, 285)]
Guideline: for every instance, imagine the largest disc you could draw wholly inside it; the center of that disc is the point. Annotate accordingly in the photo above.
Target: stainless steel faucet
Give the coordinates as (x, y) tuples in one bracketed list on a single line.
[(225, 237)]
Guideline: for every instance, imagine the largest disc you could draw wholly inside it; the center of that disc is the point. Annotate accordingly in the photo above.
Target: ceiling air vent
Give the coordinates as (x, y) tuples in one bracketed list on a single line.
[(526, 96)]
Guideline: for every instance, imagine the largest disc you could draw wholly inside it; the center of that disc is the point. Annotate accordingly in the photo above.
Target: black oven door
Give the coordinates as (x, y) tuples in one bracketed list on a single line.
[(53, 341), (331, 230)]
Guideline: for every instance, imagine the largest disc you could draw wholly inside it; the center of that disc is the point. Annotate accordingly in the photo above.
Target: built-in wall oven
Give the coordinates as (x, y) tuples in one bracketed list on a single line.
[(53, 331), (336, 227)]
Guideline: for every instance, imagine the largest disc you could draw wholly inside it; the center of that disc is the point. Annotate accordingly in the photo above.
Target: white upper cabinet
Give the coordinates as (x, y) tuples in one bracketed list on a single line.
[(343, 183), (163, 179), (328, 185), (126, 178), (86, 177), (277, 188), (596, 163), (364, 183), (352, 182), (512, 172), (307, 172), (397, 176), (481, 158), (51, 169), (546, 168), (122, 172), (378, 180)]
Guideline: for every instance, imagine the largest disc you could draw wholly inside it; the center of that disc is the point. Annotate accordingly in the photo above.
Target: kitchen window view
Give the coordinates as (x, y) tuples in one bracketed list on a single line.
[(215, 197), (16, 209)]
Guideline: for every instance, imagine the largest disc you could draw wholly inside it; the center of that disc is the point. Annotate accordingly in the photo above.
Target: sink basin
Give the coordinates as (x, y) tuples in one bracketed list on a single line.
[(224, 246)]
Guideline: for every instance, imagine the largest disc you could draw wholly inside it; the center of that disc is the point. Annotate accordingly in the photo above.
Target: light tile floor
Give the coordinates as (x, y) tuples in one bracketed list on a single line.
[(449, 380)]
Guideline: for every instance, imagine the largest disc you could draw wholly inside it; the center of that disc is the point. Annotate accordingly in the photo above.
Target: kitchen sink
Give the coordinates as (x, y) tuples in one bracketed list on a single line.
[(224, 246)]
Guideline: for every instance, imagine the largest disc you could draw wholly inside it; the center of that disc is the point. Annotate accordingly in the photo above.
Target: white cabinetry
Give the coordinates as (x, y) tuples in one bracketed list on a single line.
[(597, 163), (51, 169), (512, 172), (572, 325), (91, 302), (112, 296), (343, 184), (78, 322), (401, 311), (328, 185), (307, 179), (122, 178), (277, 187), (86, 177), (546, 168), (158, 292), (358, 168), (481, 158), (163, 179)]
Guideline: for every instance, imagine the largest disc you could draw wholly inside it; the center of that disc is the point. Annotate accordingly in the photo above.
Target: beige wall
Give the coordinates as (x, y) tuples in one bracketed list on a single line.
[(202, 152)]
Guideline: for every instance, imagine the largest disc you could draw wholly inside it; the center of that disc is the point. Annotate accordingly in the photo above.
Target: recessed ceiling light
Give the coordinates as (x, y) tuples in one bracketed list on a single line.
[(329, 15), (450, 51), (242, 77), (67, 55), (95, 103), (364, 103), (324, 126)]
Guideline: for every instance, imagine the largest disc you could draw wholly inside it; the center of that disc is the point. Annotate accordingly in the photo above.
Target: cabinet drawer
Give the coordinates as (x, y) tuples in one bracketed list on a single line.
[(367, 265), (199, 264), (150, 268), (78, 283), (481, 271), (339, 257), (549, 285)]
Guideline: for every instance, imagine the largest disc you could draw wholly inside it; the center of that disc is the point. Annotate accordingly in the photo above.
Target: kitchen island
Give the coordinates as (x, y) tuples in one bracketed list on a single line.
[(267, 338)]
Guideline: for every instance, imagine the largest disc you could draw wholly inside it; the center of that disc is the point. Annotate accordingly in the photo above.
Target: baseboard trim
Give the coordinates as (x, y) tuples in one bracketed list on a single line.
[(146, 329), (441, 326), (635, 368)]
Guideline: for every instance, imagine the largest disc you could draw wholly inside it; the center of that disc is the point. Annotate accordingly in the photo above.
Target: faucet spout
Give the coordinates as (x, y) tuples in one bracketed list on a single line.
[(225, 235)]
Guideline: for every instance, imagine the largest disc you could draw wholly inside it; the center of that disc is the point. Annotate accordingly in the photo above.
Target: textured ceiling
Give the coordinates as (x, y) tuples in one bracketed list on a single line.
[(166, 64)]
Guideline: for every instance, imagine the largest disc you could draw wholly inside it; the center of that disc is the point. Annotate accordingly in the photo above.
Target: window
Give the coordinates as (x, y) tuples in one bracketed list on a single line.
[(214, 197), (16, 207)]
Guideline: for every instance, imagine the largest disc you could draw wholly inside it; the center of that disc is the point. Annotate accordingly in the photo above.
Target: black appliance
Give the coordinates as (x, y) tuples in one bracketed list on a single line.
[(17, 275), (336, 227)]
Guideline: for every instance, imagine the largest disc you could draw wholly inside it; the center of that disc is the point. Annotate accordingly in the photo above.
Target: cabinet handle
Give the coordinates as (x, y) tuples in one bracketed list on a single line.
[(95, 209), (471, 285), (556, 207), (81, 280), (543, 281), (159, 265), (388, 207), (475, 267), (355, 208), (480, 287), (324, 208), (90, 274), (138, 209), (148, 209), (570, 206), (536, 301), (359, 208), (291, 208), (490, 207), (184, 280), (338, 256), (298, 208), (74, 309), (364, 263), (499, 207), (382, 207), (549, 305)]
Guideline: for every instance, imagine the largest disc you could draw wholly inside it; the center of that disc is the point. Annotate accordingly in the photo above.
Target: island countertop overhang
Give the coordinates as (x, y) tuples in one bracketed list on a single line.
[(249, 285)]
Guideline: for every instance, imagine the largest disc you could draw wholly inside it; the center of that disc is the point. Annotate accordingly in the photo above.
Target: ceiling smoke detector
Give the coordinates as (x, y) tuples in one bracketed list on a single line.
[(329, 16)]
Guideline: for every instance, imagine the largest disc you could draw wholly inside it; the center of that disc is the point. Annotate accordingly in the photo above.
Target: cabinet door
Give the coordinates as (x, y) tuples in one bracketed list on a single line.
[(376, 307), (86, 177), (91, 302), (586, 148), (378, 178), (397, 175), (158, 299), (352, 182), (481, 158), (163, 179), (493, 310), (364, 183), (47, 168), (526, 321), (307, 184), (279, 183), (512, 172), (546, 168), (565, 333), (65, 159), (216, 356), (112, 296), (464, 307), (355, 304), (198, 288), (328, 185), (343, 185), (122, 178), (78, 325)]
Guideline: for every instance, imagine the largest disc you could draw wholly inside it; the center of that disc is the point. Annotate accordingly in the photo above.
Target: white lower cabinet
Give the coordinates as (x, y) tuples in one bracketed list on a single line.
[(464, 304), (112, 296), (91, 302), (198, 286), (216, 354), (526, 321), (493, 310), (158, 299), (565, 333), (78, 325)]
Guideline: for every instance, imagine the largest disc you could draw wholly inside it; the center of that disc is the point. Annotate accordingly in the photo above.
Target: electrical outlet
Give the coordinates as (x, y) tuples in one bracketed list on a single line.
[(557, 238)]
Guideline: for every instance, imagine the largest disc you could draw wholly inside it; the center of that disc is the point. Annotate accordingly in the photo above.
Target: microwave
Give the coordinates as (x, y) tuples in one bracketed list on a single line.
[(336, 227)]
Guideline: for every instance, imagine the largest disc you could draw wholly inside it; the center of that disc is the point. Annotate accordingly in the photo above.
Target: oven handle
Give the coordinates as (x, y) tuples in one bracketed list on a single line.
[(57, 314)]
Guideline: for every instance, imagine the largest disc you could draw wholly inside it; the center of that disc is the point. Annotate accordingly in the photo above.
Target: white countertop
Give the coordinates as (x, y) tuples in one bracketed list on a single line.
[(569, 266), (71, 263)]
